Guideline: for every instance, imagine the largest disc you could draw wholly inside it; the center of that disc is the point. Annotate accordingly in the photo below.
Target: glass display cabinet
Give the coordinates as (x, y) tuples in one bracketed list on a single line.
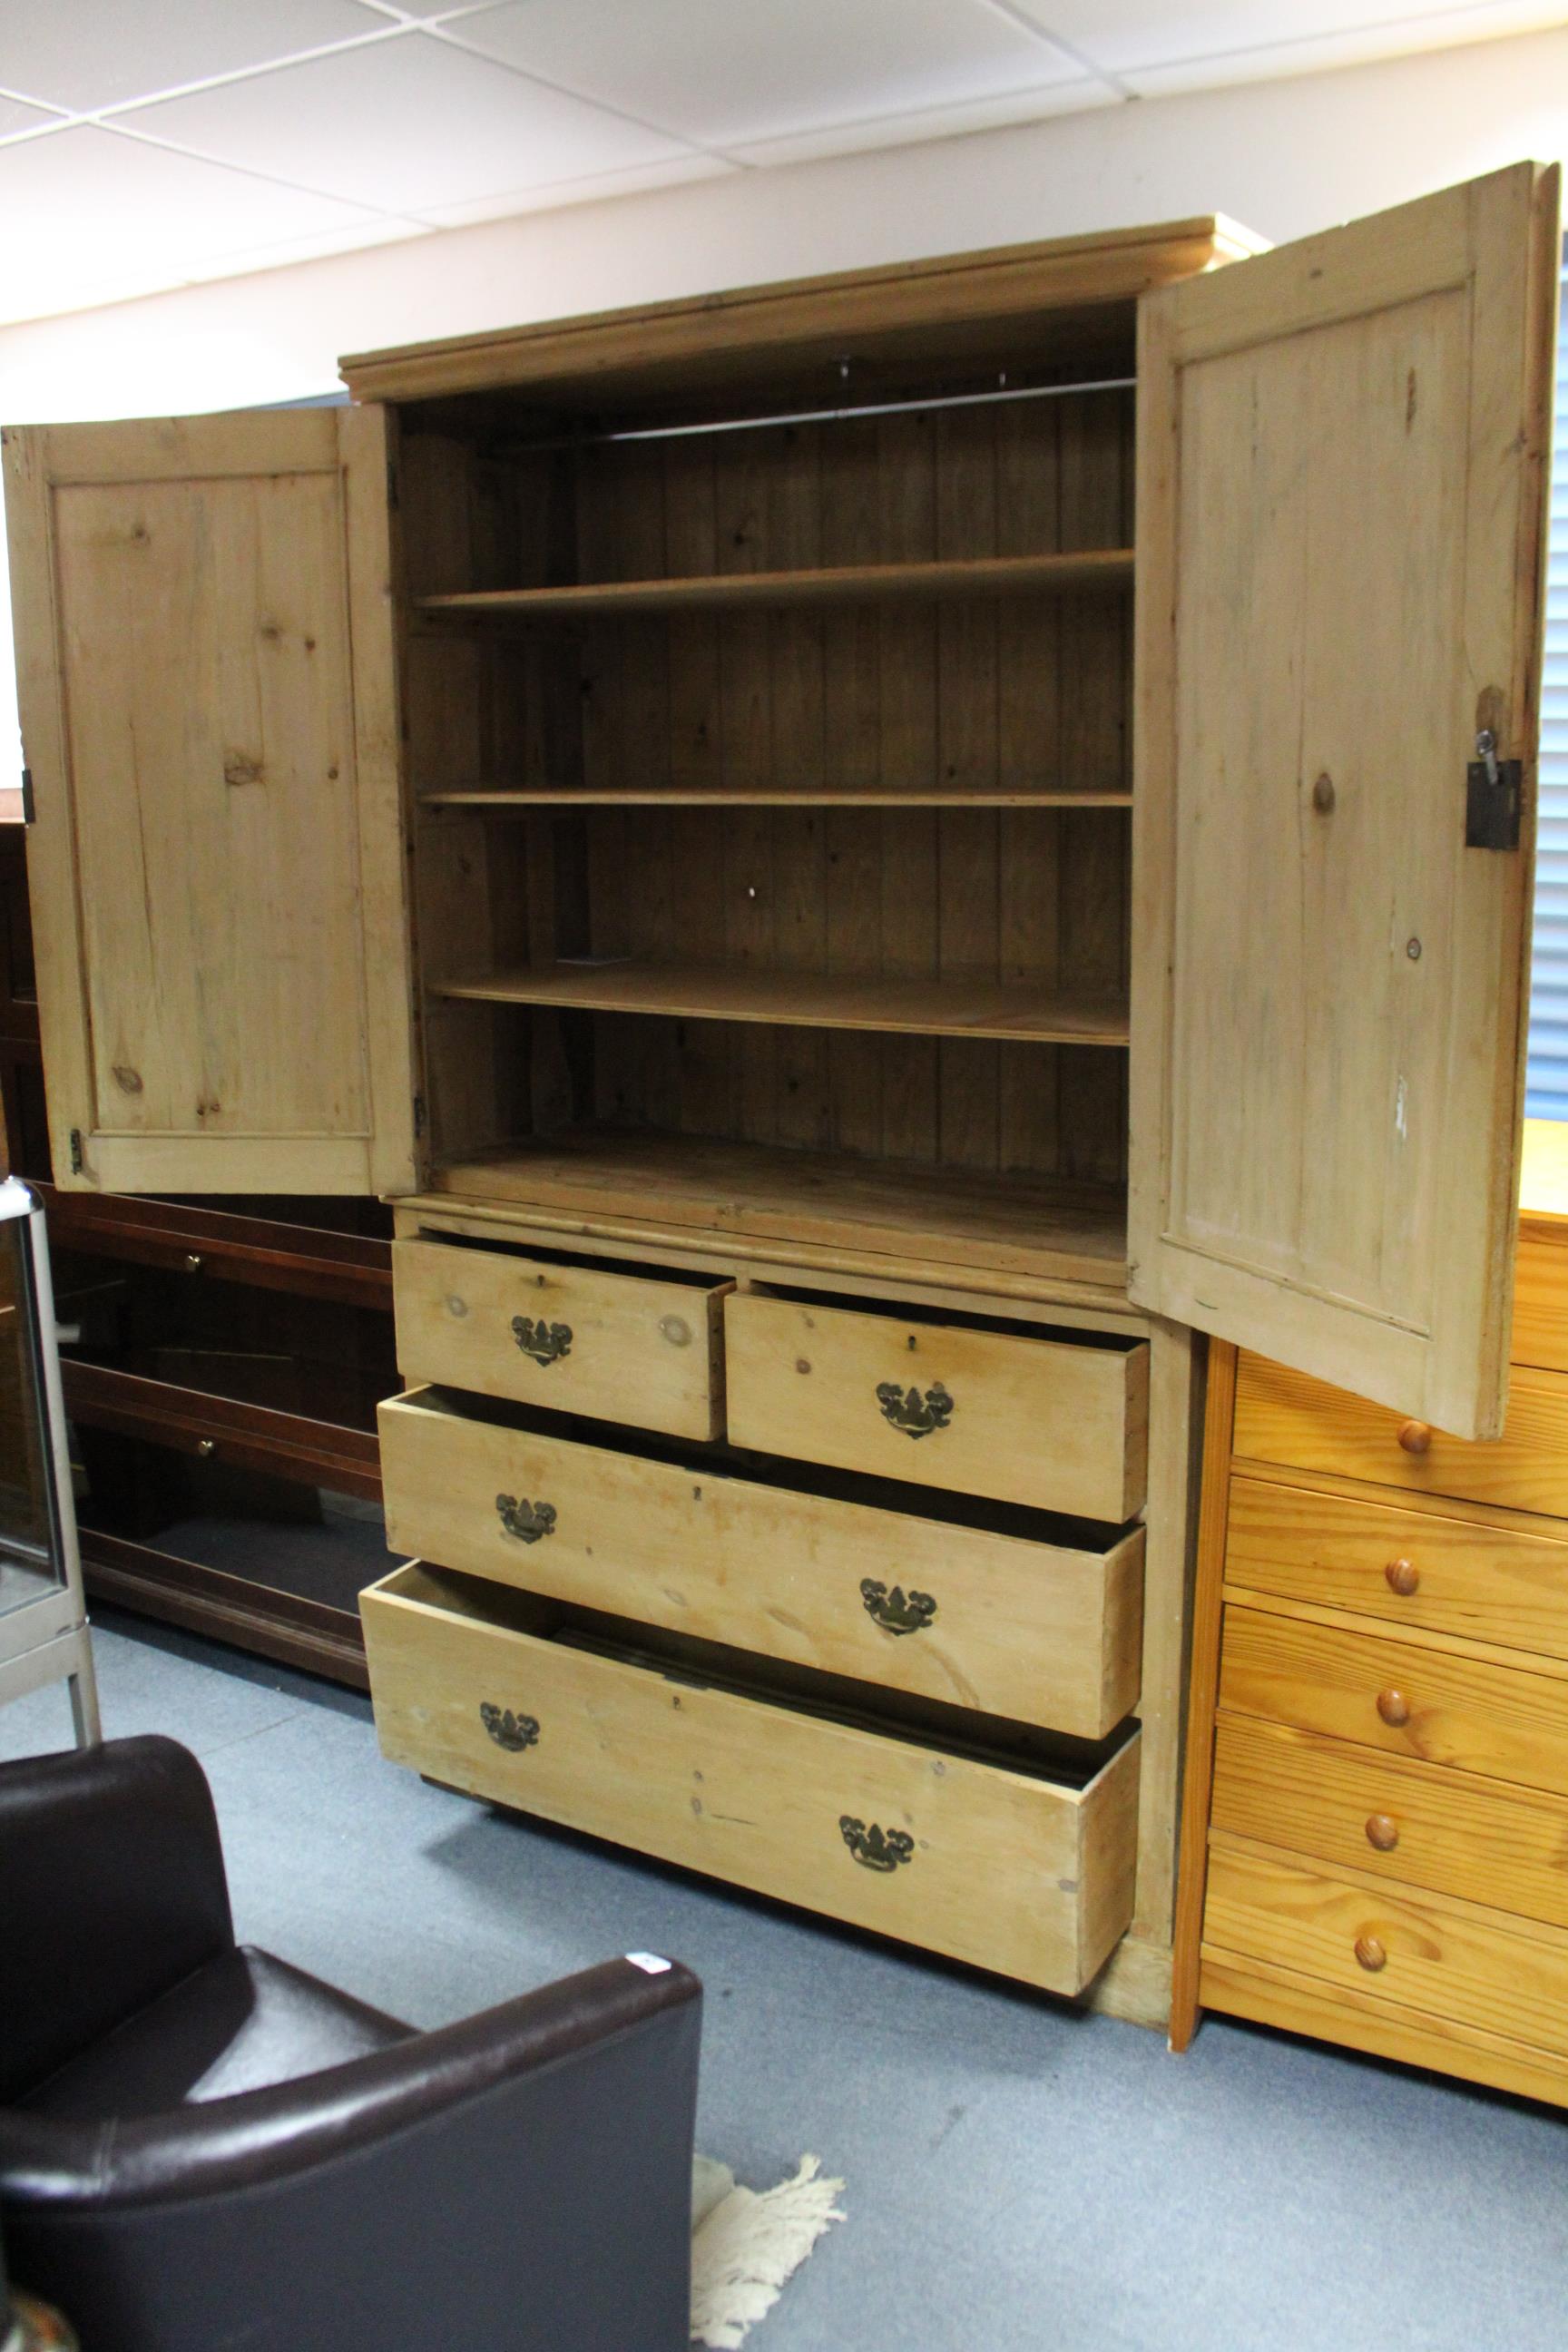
[(43, 1617)]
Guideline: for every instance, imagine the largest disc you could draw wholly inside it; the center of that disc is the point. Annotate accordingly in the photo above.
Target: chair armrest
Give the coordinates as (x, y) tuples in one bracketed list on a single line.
[(114, 1890), (523, 2177)]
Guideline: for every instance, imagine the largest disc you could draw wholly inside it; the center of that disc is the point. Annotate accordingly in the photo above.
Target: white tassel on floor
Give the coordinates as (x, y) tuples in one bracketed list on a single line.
[(745, 2246)]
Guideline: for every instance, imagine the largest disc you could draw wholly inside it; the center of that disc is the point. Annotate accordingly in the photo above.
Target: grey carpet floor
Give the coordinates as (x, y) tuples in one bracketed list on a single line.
[(1020, 2179)]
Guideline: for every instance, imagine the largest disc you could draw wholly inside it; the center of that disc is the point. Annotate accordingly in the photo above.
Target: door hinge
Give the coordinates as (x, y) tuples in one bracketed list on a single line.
[(75, 1151), (29, 809), (1493, 789)]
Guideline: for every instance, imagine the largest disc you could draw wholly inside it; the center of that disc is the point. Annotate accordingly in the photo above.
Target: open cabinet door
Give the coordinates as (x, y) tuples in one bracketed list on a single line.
[(207, 681), (1342, 483)]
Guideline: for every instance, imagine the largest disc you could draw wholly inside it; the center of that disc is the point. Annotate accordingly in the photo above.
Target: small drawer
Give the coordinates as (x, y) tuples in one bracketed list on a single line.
[(643, 1349), (990, 1860), (1058, 1425), (1541, 1298), (1421, 1824), (1391, 1944), (1413, 1568), (1404, 1697), (984, 1606), (1283, 1416)]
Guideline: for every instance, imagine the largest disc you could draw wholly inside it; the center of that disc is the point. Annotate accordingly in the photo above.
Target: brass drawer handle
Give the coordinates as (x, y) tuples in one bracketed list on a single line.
[(1369, 1952), (897, 1611), (1382, 1832), (525, 1520), (874, 1848), (513, 1732), (915, 1414), (545, 1342), (1404, 1577)]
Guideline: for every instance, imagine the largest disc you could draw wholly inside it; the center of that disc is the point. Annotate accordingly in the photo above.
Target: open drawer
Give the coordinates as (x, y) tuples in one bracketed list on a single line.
[(1004, 1856), (643, 1348), (1055, 1420), (974, 1603)]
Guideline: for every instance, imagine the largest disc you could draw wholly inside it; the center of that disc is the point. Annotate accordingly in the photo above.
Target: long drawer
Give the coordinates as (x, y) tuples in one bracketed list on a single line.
[(1283, 1416), (489, 1692), (991, 1616), (643, 1349), (1392, 1944), (1406, 1699), (1412, 1568), (1419, 1824), (1056, 1424)]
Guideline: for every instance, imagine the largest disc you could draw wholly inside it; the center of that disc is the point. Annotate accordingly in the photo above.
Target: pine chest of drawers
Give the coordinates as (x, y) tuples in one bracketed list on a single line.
[(837, 1597), (1375, 1840)]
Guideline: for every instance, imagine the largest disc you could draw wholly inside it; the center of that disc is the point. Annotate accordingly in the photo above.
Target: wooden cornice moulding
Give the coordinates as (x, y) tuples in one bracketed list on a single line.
[(1110, 266)]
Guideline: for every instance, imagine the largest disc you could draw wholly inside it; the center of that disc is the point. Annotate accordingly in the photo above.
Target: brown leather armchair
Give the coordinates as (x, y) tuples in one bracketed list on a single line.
[(201, 2146)]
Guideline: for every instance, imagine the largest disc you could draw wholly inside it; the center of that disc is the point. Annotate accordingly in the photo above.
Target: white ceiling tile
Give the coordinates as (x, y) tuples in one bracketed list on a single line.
[(109, 216), (733, 72), (277, 255), (1206, 42), (428, 12), (692, 165), (404, 124), (87, 54), (933, 122), (15, 117)]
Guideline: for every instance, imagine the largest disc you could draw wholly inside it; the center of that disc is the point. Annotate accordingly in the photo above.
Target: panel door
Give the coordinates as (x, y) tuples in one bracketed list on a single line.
[(206, 671), (1342, 453)]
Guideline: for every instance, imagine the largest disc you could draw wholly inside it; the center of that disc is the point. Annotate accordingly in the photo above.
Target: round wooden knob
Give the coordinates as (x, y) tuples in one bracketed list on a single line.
[(1416, 1436), (1382, 1832), (1393, 1706), (1369, 1953), (1402, 1576)]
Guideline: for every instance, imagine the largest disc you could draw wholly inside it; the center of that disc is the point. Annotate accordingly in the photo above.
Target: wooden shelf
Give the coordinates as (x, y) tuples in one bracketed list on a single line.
[(841, 1210), (930, 1008), (856, 583), (503, 797)]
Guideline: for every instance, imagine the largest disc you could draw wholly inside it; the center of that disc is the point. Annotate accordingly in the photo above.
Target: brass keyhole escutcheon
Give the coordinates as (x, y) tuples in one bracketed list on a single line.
[(1324, 794), (1403, 1577), (908, 1410), (874, 1848), (1393, 1706), (1382, 1832), (1369, 1952)]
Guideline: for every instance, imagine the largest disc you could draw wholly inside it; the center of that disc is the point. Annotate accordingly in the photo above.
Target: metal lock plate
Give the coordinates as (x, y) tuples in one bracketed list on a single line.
[(1493, 789)]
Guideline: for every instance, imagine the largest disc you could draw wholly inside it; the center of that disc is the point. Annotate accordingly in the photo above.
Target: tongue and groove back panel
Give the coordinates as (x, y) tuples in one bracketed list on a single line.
[(790, 761)]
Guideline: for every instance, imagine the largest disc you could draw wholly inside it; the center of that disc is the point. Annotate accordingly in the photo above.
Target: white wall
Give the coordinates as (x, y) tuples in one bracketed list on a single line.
[(1283, 157)]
